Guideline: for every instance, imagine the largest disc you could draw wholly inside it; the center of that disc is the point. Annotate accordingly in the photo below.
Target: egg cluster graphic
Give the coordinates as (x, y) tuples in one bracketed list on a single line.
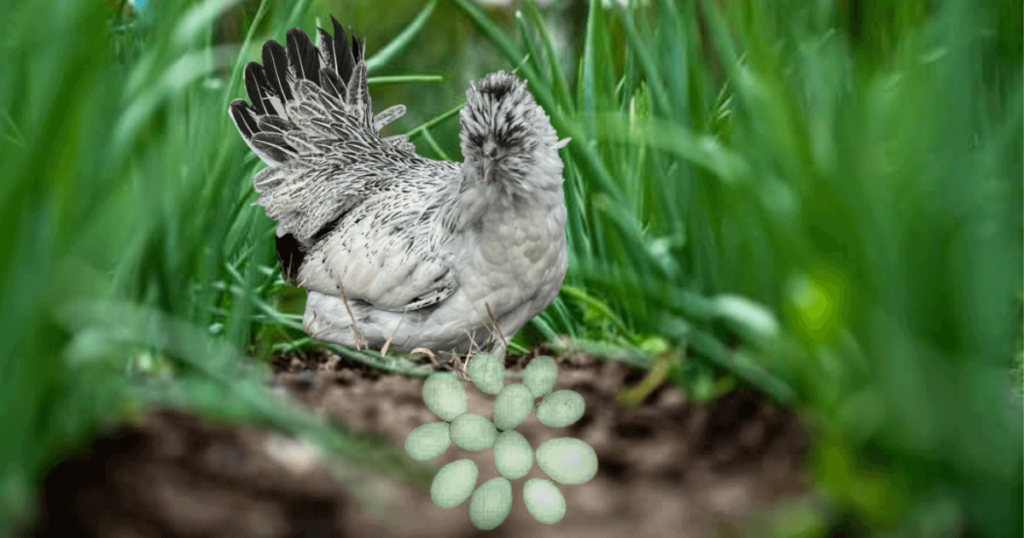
[(565, 460)]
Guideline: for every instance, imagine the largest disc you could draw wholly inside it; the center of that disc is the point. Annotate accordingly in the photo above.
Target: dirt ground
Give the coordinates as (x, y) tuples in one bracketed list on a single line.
[(667, 469)]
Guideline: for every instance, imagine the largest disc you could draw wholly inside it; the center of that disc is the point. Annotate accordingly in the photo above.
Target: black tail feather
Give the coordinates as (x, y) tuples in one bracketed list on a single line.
[(275, 62), (357, 48), (303, 56), (244, 118), (274, 146), (273, 124), (343, 58), (333, 83), (326, 49), (257, 87)]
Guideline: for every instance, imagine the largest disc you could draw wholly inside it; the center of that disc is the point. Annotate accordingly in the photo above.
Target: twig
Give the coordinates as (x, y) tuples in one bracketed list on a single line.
[(387, 344), (344, 298), (429, 353), (494, 320), (318, 333), (463, 368), (321, 331), (460, 366), (472, 342)]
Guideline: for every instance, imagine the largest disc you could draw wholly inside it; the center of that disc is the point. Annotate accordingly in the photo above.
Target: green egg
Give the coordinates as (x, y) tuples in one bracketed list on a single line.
[(540, 375), (567, 460), (428, 441), (487, 373), (543, 500), (454, 483), (560, 408), (444, 395), (473, 432), (491, 503), (512, 405), (512, 455)]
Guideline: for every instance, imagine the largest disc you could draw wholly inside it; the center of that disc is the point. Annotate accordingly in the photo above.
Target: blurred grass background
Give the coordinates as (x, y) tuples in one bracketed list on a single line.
[(819, 199)]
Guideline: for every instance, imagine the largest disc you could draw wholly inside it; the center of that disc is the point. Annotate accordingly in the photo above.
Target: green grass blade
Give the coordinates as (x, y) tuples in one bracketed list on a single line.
[(561, 86), (403, 79), (395, 47)]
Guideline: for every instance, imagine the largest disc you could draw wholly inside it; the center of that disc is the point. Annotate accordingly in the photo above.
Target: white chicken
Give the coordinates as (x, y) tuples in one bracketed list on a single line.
[(394, 248)]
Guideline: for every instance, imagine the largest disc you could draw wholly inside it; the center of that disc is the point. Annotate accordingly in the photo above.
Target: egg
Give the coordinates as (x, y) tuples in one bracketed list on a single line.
[(454, 483), (513, 455), (473, 432), (487, 373), (543, 500), (444, 396), (560, 408), (491, 503), (567, 460), (540, 375), (428, 441), (512, 405)]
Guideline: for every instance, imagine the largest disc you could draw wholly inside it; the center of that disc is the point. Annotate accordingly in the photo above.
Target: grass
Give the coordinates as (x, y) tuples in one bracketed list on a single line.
[(858, 188), (822, 200)]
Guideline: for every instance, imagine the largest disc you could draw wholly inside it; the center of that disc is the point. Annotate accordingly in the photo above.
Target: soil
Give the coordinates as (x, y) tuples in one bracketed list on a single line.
[(668, 469)]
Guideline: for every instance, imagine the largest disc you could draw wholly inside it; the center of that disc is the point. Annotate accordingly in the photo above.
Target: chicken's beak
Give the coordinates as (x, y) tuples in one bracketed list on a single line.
[(486, 170)]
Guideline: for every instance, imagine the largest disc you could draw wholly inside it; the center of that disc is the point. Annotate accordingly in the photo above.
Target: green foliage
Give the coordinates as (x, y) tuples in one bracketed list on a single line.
[(826, 191), (129, 247), (822, 199)]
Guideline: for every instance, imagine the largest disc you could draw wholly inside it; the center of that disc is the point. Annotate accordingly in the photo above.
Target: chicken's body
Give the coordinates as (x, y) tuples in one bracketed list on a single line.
[(511, 259), (414, 251)]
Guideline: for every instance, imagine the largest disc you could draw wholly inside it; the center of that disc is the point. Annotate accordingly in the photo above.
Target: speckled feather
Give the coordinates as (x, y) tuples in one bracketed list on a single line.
[(418, 248)]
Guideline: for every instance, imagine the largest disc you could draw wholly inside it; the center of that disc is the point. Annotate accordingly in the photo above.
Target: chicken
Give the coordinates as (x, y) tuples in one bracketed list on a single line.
[(394, 248)]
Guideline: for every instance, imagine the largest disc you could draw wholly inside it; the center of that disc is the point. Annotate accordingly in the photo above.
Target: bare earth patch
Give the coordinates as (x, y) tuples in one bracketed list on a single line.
[(670, 468)]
